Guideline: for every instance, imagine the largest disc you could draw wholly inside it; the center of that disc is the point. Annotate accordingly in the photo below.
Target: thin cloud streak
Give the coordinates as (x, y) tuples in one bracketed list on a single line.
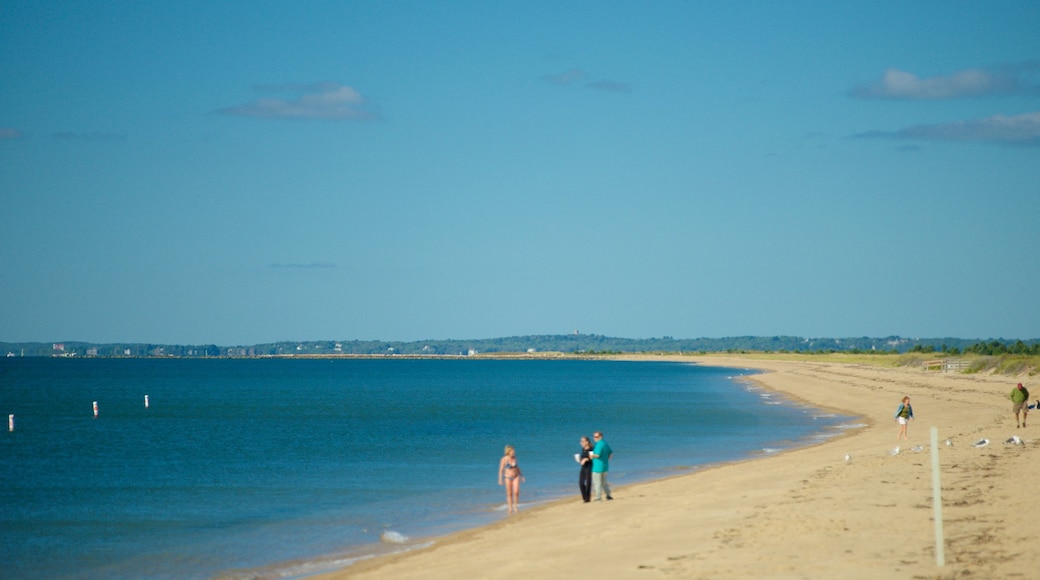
[(325, 101), (1020, 130), (566, 78), (579, 78), (306, 266), (94, 136), (610, 86)]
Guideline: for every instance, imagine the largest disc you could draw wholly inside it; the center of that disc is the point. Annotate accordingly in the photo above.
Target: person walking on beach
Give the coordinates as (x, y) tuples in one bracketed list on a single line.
[(585, 473), (600, 455), (509, 475), (903, 416), (1019, 396)]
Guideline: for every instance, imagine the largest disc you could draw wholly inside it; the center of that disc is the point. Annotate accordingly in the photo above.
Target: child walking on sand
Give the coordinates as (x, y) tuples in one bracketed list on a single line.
[(903, 416)]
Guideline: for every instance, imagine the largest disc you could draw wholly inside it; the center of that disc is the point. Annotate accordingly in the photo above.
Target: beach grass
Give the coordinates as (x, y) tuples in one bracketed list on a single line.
[(1004, 364)]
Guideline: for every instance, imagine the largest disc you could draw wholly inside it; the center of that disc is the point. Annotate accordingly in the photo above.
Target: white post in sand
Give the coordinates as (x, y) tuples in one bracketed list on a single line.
[(146, 401), (10, 423), (940, 555), (95, 408)]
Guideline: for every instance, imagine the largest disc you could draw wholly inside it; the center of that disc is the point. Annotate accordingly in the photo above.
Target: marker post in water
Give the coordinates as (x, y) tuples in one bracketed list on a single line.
[(95, 409), (146, 401), (940, 554), (10, 423)]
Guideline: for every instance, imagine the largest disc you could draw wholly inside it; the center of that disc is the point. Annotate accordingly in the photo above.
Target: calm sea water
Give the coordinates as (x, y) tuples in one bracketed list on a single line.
[(282, 468)]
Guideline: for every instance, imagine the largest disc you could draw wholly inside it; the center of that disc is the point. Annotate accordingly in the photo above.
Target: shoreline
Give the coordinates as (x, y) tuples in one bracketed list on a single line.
[(394, 546), (803, 512)]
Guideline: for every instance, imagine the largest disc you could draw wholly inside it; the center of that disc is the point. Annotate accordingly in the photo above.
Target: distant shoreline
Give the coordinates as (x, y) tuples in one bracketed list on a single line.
[(576, 343)]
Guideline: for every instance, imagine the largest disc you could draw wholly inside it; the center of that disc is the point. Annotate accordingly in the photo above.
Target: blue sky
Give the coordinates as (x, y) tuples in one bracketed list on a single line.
[(229, 173)]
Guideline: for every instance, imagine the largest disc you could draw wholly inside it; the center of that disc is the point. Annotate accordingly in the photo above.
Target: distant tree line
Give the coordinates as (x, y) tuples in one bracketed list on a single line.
[(564, 343), (992, 348)]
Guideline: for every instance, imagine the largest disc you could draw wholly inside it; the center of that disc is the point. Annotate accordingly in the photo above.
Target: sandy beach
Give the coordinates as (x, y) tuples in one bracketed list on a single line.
[(805, 513)]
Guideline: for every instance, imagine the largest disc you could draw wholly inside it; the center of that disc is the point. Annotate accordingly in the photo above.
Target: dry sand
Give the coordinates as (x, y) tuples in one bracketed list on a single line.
[(805, 513)]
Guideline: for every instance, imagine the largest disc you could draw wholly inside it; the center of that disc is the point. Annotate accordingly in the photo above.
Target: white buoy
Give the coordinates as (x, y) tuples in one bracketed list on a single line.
[(10, 423), (95, 408), (146, 401)]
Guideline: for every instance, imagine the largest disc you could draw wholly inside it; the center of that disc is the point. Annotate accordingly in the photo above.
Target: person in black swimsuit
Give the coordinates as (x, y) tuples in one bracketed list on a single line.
[(585, 474)]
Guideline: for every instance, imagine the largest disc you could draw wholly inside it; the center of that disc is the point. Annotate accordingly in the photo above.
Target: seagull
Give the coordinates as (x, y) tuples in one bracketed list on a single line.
[(949, 443), (848, 458), (894, 451), (917, 448), (1015, 440), (981, 443)]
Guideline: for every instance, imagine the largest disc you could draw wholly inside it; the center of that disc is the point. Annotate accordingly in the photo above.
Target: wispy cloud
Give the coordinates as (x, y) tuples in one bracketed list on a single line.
[(909, 148), (566, 78), (324, 101), (1000, 80), (610, 86), (1022, 130), (7, 133), (579, 78), (304, 266), (96, 136)]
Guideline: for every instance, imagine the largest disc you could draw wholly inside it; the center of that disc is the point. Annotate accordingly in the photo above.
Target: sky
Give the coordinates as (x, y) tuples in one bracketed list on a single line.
[(234, 173)]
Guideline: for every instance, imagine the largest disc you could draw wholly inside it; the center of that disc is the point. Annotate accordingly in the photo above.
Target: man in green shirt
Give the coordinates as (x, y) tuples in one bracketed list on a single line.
[(1019, 396), (600, 455)]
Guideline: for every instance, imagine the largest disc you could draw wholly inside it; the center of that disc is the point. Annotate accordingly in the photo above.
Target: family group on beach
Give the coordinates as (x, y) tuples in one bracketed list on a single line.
[(592, 478), (1019, 406)]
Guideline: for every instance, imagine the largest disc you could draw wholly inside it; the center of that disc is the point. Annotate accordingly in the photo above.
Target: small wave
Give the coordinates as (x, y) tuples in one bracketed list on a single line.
[(850, 426), (307, 568), (392, 537), (771, 450)]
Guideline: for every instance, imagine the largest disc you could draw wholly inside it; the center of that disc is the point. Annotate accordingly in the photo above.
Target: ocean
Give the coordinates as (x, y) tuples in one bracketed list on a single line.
[(281, 468)]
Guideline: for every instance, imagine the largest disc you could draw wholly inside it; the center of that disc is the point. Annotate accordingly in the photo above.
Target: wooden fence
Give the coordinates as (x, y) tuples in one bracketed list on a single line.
[(947, 364)]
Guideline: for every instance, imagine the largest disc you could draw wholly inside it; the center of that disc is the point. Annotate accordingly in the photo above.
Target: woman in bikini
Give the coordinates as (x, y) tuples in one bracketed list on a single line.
[(510, 476)]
